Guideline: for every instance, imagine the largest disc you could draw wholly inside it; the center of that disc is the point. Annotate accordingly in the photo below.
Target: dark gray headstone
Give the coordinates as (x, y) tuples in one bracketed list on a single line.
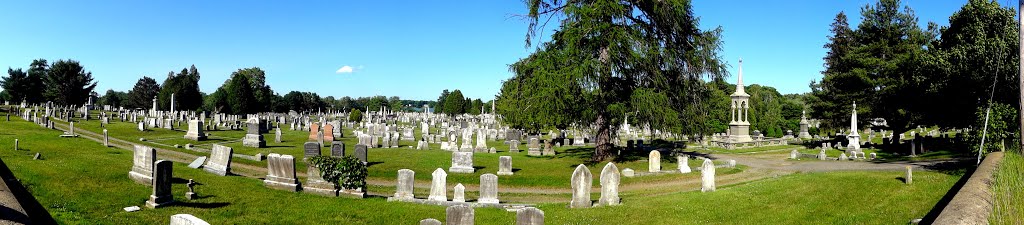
[(361, 153), (311, 149), (161, 184), (337, 149)]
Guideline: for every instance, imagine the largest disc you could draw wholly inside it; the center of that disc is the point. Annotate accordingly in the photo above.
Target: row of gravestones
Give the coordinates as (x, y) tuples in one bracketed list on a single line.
[(462, 162), (439, 189), (465, 215)]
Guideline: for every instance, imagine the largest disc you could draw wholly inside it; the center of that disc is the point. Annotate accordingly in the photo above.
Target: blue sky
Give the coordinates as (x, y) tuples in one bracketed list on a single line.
[(410, 49)]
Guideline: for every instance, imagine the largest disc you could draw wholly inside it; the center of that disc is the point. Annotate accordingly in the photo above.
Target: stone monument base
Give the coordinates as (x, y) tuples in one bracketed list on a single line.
[(141, 178), (461, 169)]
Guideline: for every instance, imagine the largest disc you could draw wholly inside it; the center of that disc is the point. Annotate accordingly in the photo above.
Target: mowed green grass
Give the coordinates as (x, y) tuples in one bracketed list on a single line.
[(81, 182)]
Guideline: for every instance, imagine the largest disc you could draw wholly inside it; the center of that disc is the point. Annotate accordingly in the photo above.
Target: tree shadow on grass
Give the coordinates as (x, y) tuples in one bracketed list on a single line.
[(212, 205)]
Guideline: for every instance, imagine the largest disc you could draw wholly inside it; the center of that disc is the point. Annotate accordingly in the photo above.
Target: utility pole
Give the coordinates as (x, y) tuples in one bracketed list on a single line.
[(1020, 77)]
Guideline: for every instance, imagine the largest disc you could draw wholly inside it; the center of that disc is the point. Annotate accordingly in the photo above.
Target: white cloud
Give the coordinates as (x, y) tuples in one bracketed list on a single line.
[(344, 69)]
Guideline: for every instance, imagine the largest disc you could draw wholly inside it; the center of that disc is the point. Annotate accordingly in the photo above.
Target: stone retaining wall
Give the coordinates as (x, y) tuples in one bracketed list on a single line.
[(972, 204)]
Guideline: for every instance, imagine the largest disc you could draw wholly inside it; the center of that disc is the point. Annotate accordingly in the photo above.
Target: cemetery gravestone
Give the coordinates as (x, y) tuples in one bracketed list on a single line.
[(361, 153), (281, 173), (220, 160), (438, 186), (337, 149), (462, 162), (311, 149), (707, 173), (161, 185), (253, 138), (488, 189), (195, 131), (404, 188), (610, 178), (684, 163), (316, 184), (581, 183), (654, 161), (459, 194), (505, 165), (142, 165), (459, 215), (529, 216)]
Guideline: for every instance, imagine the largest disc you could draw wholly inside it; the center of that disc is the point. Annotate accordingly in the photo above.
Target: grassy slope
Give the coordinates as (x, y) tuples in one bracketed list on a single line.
[(81, 182)]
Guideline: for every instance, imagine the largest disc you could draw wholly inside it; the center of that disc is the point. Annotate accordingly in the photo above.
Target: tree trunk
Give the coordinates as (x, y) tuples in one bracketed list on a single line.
[(604, 144)]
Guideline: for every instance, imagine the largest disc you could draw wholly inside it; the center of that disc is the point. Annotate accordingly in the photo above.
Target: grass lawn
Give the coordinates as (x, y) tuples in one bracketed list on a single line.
[(81, 182), (1009, 181)]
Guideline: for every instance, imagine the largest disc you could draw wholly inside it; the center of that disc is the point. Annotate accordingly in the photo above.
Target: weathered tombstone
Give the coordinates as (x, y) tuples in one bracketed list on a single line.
[(161, 184), (794, 154), (281, 173), (873, 156), (627, 172), (548, 150), (337, 149), (505, 165), (842, 157), (707, 176), (821, 154), (253, 138), (654, 161), (142, 165), (142, 126), (187, 219), (430, 221), (684, 163), (220, 160), (438, 186), (459, 215), (316, 184), (37, 156), (533, 147), (198, 162), (581, 183), (311, 149), (106, 139), (459, 193), (404, 188), (15, 144), (513, 145), (195, 131), (277, 135), (488, 189), (610, 178), (313, 129), (361, 153), (910, 175), (328, 133), (529, 216), (731, 163), (462, 162)]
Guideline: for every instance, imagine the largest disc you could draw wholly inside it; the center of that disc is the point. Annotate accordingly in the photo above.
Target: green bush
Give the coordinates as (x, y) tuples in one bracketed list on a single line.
[(355, 116), (346, 172)]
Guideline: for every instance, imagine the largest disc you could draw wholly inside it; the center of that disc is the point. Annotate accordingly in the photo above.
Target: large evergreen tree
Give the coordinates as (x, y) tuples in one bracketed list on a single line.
[(618, 55), (37, 71), (17, 85), (141, 96), (67, 83), (879, 70)]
